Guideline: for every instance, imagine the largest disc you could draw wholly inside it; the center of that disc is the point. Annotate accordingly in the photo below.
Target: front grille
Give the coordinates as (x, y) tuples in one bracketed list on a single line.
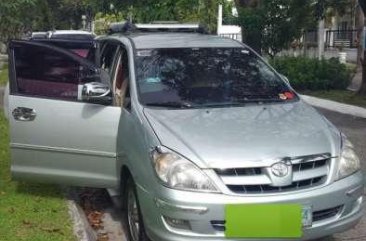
[(219, 225), (309, 165), (325, 214), (252, 189), (239, 171), (308, 171)]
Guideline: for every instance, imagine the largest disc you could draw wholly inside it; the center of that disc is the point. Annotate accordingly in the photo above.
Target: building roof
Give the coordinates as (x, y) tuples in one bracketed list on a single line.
[(180, 40)]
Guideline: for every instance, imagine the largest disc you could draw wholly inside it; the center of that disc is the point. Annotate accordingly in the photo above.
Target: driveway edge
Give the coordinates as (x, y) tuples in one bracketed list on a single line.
[(82, 230), (335, 106)]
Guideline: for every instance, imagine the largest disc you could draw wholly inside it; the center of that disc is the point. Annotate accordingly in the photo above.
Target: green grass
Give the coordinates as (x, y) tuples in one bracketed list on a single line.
[(4, 75), (344, 96), (32, 212), (352, 67)]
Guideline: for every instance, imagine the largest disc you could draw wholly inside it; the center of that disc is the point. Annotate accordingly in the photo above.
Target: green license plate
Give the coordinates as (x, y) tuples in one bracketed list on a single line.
[(263, 221)]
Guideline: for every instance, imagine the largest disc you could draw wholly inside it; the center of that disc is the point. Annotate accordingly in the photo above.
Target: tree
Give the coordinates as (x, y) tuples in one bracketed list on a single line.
[(320, 15), (15, 18), (147, 11), (18, 17), (271, 25), (359, 26), (66, 14), (175, 10), (250, 19), (362, 90)]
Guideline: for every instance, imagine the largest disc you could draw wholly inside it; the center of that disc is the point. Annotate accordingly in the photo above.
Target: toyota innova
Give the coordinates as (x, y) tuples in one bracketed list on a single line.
[(200, 136)]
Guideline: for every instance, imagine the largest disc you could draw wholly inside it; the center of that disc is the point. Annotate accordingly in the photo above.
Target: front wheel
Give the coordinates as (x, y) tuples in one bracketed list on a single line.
[(132, 213)]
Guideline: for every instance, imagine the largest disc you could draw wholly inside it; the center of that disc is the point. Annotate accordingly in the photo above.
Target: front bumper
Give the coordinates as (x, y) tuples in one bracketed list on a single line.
[(200, 210)]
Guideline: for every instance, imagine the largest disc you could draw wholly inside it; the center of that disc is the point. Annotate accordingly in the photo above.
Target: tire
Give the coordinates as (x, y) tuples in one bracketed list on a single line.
[(132, 214)]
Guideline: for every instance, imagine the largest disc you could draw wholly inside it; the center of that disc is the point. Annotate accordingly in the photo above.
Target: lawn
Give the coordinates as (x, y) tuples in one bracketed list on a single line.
[(352, 67), (4, 75), (32, 212), (343, 96)]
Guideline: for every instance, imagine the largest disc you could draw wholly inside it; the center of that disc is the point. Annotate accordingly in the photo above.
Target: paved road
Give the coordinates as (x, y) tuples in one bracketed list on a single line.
[(355, 129)]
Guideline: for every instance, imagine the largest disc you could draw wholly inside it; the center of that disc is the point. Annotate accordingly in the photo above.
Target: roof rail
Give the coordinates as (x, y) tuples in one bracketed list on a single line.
[(128, 27)]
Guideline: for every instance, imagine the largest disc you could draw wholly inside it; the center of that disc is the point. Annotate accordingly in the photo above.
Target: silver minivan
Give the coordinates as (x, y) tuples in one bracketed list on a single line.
[(201, 137)]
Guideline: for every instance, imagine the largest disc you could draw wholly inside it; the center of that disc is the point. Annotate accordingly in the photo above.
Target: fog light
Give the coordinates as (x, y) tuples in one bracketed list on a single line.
[(177, 223)]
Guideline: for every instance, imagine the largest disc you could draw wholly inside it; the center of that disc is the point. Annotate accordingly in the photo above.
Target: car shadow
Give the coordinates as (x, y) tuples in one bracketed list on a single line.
[(40, 190)]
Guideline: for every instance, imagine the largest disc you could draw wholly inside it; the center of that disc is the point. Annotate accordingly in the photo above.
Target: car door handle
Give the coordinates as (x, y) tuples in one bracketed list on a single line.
[(24, 114)]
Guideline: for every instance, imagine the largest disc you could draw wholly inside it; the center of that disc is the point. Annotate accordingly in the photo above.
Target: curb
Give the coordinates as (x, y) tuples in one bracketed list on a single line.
[(335, 106), (82, 230)]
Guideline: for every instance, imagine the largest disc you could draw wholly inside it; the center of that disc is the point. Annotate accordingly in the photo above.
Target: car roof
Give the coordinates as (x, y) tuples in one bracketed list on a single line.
[(179, 40)]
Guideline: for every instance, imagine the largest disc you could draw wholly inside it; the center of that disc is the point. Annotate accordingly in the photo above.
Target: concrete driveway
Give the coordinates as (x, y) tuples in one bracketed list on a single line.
[(355, 129)]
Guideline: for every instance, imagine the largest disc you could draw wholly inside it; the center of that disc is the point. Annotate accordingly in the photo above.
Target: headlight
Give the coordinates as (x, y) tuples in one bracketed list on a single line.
[(177, 172), (349, 162)]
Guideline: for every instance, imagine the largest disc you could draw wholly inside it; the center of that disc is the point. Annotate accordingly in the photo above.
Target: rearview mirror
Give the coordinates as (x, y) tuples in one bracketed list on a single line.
[(97, 93)]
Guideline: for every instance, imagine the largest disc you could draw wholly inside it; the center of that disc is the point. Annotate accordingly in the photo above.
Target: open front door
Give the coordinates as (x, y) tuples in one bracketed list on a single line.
[(88, 49), (55, 137)]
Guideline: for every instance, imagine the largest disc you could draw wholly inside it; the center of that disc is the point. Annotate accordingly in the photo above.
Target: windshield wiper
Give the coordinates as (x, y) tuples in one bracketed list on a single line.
[(265, 98), (224, 104), (171, 104), (259, 100)]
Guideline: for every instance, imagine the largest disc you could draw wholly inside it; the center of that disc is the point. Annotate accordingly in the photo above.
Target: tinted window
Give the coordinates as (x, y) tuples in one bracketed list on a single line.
[(47, 73), (85, 49), (207, 76)]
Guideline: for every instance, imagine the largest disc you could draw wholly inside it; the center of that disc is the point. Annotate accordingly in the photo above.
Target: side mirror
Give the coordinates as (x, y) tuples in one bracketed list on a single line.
[(97, 93)]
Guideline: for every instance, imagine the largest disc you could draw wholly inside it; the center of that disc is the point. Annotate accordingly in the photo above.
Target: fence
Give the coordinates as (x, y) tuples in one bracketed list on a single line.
[(236, 36), (341, 38), (333, 38)]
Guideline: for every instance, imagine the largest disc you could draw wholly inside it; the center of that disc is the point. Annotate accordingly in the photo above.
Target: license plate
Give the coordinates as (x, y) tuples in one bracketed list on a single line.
[(266, 220)]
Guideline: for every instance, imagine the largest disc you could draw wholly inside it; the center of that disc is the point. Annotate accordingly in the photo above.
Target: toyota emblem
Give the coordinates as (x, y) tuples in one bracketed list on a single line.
[(280, 169)]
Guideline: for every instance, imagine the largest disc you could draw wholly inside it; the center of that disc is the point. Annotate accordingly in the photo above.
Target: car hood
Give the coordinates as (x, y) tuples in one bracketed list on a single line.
[(236, 136)]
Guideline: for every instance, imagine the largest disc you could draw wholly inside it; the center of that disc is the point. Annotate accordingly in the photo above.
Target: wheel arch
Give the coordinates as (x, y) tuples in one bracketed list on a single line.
[(124, 175)]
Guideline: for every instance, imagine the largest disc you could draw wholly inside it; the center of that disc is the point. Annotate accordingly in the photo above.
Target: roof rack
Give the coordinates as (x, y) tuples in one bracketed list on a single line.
[(128, 27)]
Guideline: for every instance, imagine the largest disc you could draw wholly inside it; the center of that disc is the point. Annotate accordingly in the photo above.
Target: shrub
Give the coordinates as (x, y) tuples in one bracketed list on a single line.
[(313, 74), (4, 75)]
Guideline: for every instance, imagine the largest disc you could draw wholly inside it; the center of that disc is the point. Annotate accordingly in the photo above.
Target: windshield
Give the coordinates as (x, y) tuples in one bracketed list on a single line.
[(202, 77)]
